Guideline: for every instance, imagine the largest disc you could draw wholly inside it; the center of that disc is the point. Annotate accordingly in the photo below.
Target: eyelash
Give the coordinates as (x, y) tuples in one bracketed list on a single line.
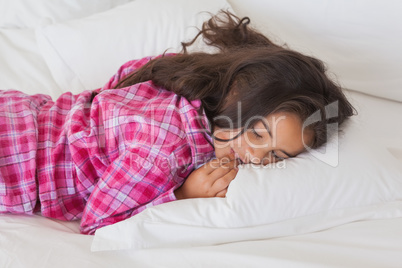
[(277, 157), (258, 136)]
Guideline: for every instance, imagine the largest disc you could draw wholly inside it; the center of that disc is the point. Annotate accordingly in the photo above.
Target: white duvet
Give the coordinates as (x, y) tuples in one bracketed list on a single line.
[(345, 213)]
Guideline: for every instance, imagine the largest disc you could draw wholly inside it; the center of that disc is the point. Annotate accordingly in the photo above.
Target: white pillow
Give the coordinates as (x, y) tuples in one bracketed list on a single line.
[(305, 195), (22, 66), (85, 53), (31, 14), (360, 40)]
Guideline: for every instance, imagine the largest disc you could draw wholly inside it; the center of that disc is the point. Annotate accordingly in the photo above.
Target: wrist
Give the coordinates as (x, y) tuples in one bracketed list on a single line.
[(179, 193)]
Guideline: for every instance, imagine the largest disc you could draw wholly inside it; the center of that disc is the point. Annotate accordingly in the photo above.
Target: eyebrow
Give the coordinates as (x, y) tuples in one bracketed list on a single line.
[(270, 134)]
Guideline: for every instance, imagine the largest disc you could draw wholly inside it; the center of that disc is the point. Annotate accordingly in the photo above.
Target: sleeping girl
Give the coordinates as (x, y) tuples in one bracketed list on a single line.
[(168, 127)]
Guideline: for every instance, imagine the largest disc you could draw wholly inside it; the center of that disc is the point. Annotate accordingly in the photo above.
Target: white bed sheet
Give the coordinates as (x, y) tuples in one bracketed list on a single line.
[(39, 242)]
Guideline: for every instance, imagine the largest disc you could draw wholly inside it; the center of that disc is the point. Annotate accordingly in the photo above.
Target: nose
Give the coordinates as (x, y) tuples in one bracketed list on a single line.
[(258, 155)]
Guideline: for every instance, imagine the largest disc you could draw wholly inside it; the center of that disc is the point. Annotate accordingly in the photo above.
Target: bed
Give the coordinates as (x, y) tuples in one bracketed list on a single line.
[(337, 207)]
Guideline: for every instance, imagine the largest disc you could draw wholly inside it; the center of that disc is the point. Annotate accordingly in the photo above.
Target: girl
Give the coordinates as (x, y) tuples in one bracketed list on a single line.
[(102, 156)]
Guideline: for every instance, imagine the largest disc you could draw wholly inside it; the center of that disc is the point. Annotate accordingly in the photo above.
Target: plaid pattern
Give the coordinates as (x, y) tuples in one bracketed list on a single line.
[(18, 147), (100, 159)]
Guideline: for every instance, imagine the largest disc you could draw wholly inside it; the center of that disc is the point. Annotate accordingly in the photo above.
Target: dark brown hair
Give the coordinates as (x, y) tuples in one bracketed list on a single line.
[(251, 70)]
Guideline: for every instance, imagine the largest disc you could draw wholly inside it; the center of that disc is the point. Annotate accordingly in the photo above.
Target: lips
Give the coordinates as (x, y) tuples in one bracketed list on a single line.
[(238, 157)]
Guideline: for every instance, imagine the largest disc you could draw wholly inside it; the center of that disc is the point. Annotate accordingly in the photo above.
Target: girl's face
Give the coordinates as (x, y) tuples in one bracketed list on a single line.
[(274, 138)]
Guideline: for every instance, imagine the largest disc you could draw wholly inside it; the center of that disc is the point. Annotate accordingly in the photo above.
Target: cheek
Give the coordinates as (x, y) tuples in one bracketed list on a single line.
[(245, 141), (222, 149)]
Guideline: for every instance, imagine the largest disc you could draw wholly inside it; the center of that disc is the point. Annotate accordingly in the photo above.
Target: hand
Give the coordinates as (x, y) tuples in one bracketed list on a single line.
[(210, 180)]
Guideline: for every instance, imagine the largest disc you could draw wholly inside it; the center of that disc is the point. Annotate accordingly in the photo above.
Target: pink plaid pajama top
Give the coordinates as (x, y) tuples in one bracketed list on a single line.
[(100, 159)]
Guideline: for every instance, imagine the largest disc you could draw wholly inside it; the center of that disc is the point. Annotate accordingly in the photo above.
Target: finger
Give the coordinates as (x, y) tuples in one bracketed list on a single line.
[(210, 166), (222, 193), (223, 182), (215, 164), (221, 172), (229, 163)]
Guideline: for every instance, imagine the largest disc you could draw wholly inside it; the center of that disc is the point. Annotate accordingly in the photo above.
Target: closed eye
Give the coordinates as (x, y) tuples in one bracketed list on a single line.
[(277, 157), (258, 136)]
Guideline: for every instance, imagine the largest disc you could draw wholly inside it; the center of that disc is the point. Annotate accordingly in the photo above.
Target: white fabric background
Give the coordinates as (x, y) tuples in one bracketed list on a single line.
[(359, 40)]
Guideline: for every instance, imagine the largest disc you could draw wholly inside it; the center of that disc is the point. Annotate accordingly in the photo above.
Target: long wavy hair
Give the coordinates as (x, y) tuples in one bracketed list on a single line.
[(247, 69)]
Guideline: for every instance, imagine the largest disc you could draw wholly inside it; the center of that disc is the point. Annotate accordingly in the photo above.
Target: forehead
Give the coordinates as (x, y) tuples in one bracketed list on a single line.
[(280, 120)]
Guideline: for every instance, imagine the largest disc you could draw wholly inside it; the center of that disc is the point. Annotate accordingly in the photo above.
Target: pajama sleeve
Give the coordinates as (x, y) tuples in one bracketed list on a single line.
[(129, 185), (128, 68), (124, 70)]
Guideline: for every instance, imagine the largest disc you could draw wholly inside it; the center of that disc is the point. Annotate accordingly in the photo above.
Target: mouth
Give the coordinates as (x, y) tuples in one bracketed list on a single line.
[(237, 157)]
